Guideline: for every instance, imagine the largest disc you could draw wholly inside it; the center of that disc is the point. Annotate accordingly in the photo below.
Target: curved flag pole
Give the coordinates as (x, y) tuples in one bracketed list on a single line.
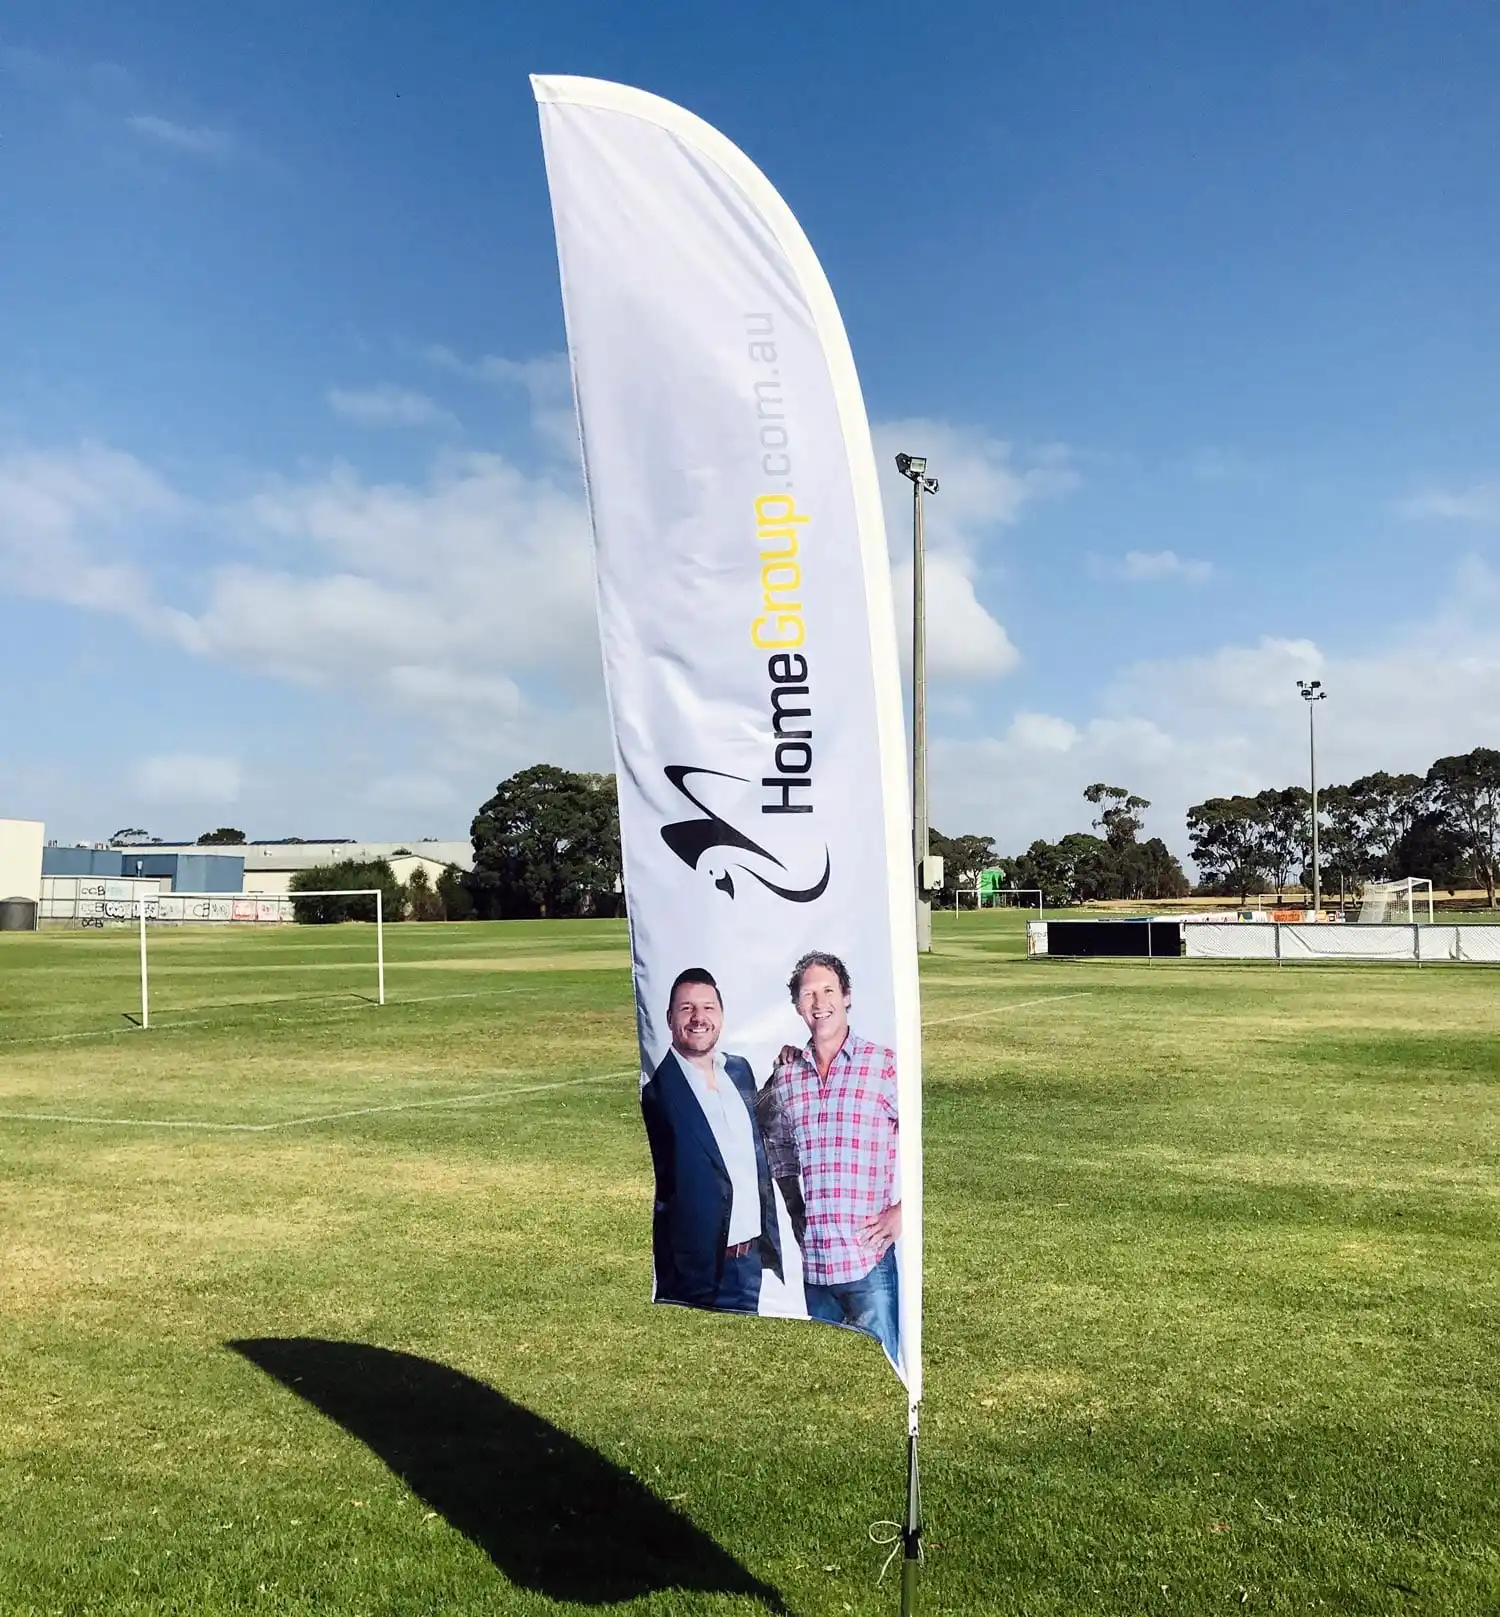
[(751, 665)]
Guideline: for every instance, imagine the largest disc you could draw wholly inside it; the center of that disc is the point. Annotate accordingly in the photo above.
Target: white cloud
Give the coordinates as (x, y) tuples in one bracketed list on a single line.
[(1041, 732), (1158, 566), (985, 487), (1480, 503), (985, 483), (464, 600), (195, 140), (963, 640), (187, 778), (425, 791), (59, 510), (481, 573), (1179, 730), (547, 381), (450, 692), (389, 406), (440, 598)]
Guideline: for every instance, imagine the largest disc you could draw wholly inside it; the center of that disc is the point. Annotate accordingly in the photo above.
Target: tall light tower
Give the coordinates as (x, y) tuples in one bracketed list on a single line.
[(1313, 693), (928, 878)]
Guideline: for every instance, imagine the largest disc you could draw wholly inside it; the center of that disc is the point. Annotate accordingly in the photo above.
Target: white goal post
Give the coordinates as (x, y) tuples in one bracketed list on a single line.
[(983, 893), (1379, 896), (160, 907)]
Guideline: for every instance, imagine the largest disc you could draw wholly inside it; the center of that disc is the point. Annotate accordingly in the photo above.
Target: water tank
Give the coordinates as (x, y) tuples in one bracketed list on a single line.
[(17, 915)]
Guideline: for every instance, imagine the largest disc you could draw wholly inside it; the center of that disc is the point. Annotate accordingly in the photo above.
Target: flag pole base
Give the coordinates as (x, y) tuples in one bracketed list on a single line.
[(909, 1586), (911, 1532)]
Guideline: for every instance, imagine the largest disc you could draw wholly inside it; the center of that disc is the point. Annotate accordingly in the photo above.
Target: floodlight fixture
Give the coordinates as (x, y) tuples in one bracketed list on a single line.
[(1312, 690), (915, 467)]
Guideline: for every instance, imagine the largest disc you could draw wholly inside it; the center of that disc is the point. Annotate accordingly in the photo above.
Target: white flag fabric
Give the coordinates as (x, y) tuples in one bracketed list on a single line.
[(750, 658)]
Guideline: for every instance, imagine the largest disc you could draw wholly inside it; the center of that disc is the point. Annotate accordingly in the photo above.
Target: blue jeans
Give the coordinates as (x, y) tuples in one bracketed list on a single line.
[(870, 1305), (739, 1285)]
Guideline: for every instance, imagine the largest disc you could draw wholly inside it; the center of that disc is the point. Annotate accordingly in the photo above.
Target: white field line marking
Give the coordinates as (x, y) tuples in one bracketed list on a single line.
[(246, 1004), (357, 1010), (1010, 1005), (475, 1099), (95, 1033), (402, 1106), (423, 999)]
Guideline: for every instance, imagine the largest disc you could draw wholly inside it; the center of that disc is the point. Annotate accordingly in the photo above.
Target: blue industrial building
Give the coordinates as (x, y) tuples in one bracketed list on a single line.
[(187, 872), (81, 862)]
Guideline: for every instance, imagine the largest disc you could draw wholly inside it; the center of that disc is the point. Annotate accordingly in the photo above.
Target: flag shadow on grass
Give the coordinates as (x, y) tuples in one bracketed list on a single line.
[(552, 1514)]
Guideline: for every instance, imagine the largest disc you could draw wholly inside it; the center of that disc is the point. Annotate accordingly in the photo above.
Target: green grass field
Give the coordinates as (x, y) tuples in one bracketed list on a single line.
[(312, 1307)]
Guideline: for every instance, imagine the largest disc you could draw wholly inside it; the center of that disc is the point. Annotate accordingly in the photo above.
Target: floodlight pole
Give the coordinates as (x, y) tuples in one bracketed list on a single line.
[(1312, 769), (1313, 693), (919, 715), (915, 468)]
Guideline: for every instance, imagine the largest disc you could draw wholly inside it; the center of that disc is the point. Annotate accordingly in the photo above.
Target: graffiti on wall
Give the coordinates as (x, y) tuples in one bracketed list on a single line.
[(97, 902)]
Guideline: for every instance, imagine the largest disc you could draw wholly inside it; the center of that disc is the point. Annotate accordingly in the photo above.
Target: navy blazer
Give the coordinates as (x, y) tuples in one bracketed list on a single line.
[(690, 1220)]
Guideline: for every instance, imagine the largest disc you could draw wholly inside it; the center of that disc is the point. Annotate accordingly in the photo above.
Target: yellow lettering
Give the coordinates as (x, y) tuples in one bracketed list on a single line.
[(788, 570), (765, 517), (782, 625), (788, 627), (789, 534)]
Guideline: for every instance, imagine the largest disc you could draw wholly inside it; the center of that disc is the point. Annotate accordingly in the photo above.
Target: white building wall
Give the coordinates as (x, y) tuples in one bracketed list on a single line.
[(280, 881), (268, 881), (94, 900), (21, 859)]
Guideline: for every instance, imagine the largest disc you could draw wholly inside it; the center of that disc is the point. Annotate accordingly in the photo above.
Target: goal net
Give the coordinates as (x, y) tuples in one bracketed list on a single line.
[(1387, 902)]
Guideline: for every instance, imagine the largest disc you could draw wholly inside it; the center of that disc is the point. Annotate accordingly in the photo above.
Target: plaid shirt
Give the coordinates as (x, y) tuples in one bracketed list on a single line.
[(777, 1132), (845, 1128)]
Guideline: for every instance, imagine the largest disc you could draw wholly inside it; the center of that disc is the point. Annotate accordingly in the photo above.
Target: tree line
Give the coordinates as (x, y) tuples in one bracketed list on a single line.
[(416, 899), (546, 845), (1080, 868), (1444, 825)]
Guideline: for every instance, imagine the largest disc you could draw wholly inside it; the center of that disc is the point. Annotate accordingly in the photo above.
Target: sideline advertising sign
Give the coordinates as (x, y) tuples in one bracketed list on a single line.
[(750, 657)]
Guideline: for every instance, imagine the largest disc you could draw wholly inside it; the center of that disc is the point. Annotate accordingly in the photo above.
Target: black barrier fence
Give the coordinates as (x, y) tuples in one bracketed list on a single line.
[(1153, 939)]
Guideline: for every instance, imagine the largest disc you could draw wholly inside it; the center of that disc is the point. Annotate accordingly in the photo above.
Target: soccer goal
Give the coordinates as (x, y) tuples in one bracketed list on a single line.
[(1388, 901), (187, 909), (998, 898), (1013, 898)]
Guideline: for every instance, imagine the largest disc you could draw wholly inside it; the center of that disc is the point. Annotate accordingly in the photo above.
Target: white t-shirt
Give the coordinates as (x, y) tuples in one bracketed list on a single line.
[(733, 1134)]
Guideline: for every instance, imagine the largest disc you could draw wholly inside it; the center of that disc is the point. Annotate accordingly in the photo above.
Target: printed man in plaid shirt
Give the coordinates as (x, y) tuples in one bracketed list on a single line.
[(840, 1096)]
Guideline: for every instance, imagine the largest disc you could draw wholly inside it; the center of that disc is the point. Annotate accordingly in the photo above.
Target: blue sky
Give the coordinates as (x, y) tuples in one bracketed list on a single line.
[(1192, 307)]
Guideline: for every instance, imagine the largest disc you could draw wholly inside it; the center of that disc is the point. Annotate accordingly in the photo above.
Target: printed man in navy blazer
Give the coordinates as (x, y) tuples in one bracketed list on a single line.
[(714, 1226)]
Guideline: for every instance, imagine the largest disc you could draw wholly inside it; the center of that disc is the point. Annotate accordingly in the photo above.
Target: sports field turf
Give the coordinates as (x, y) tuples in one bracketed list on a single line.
[(1213, 1294)]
